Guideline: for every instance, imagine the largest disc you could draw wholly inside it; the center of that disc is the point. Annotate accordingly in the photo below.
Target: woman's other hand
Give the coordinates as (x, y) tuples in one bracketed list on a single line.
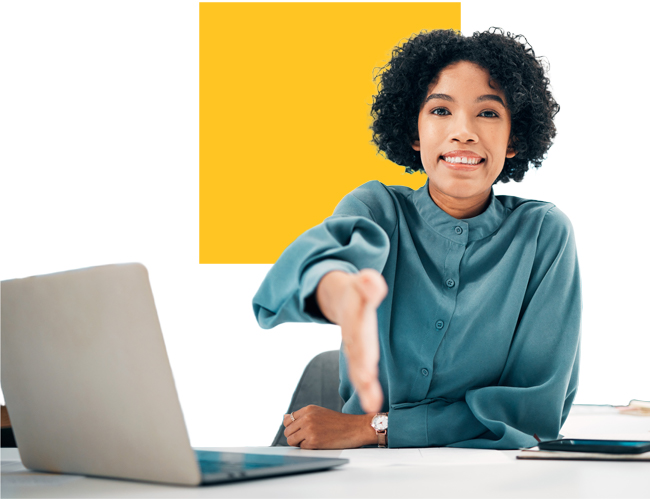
[(317, 428), (351, 301)]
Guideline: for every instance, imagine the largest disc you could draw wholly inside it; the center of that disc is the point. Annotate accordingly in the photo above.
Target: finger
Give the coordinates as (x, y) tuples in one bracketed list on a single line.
[(291, 429), (287, 420), (363, 360), (368, 389), (360, 338), (371, 398), (295, 439), (361, 346)]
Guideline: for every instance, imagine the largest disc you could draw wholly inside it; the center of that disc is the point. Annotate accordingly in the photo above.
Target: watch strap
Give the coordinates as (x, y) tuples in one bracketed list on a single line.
[(381, 438)]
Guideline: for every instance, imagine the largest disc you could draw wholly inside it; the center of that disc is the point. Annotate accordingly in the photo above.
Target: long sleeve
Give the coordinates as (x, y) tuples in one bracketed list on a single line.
[(353, 238), (539, 380)]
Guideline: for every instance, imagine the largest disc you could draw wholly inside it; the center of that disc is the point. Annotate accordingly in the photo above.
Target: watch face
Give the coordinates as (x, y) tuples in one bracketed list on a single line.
[(380, 422)]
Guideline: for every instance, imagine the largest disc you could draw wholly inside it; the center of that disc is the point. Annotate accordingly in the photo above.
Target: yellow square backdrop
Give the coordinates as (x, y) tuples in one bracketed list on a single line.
[(285, 95)]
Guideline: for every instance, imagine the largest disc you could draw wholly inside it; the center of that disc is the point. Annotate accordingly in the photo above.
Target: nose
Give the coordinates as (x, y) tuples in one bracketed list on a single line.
[(463, 129)]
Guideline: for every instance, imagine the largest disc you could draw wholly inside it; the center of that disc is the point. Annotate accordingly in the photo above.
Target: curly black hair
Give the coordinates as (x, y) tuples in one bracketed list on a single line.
[(511, 63)]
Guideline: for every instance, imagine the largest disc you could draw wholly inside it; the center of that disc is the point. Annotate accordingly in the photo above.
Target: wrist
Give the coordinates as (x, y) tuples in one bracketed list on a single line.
[(367, 435), (329, 291), (380, 425)]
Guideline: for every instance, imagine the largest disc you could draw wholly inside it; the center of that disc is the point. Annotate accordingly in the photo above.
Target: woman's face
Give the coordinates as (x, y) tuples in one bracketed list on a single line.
[(464, 133)]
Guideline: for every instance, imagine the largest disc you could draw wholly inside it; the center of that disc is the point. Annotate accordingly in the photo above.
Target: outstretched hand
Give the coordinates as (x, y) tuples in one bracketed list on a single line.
[(351, 301)]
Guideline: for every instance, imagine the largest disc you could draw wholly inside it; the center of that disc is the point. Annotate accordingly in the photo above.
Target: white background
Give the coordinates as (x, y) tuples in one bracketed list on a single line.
[(99, 164)]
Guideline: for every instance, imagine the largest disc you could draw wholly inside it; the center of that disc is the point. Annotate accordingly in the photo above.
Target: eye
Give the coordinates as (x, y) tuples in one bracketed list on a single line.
[(489, 114), (440, 111)]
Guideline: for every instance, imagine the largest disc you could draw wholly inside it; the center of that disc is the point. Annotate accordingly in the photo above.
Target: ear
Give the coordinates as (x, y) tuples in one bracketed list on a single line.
[(510, 153), (416, 145)]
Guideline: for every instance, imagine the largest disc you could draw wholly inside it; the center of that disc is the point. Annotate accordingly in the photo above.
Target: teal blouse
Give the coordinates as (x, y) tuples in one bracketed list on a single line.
[(480, 330)]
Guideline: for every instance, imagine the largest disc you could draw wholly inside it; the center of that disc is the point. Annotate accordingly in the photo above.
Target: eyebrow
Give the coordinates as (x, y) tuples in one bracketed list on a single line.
[(486, 97)]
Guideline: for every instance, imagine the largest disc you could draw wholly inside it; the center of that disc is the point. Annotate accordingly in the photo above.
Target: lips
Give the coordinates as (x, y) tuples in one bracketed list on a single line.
[(465, 161), (459, 157), (462, 152)]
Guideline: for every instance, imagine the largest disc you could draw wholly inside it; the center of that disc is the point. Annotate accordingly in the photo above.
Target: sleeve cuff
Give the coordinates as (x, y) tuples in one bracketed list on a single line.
[(407, 427)]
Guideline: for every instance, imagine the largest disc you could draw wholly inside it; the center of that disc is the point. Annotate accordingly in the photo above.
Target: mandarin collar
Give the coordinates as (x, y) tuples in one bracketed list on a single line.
[(459, 230)]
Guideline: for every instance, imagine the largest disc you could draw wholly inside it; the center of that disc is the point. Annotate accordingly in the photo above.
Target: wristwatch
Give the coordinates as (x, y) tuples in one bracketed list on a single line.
[(380, 424)]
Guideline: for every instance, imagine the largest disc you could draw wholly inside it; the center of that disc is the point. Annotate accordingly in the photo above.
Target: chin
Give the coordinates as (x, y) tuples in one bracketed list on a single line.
[(460, 189)]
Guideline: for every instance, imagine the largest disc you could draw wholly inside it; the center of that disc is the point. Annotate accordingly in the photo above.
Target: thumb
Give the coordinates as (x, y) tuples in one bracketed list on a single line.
[(372, 398), (372, 287)]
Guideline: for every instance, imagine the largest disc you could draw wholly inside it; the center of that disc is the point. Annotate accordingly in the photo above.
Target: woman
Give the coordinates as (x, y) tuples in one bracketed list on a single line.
[(462, 308)]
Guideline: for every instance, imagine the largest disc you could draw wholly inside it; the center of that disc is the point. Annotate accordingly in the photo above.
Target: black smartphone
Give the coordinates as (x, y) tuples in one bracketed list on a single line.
[(596, 446)]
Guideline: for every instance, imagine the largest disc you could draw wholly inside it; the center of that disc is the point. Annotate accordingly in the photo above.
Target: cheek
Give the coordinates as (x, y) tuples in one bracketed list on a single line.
[(429, 134), (499, 142)]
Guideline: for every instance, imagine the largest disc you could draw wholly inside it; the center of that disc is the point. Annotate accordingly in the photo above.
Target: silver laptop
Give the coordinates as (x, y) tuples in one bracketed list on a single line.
[(89, 388)]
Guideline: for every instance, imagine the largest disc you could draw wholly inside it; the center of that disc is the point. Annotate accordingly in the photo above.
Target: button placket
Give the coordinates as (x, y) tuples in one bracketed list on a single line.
[(441, 317), (444, 314)]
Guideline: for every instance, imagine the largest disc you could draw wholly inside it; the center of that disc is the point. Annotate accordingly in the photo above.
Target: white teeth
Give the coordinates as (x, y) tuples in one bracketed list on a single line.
[(462, 159)]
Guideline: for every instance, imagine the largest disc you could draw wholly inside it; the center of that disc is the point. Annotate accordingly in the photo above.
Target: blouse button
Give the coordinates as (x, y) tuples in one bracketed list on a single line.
[(440, 324), (424, 372), (450, 283), (458, 229)]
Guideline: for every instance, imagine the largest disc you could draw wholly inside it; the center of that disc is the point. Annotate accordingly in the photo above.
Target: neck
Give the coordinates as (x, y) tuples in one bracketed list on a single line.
[(460, 208)]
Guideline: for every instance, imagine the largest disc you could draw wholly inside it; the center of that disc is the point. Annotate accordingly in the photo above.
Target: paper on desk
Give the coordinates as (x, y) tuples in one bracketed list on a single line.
[(373, 457), (455, 456)]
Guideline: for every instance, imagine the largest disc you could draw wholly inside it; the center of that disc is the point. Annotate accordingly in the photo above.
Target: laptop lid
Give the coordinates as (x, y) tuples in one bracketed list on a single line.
[(86, 377)]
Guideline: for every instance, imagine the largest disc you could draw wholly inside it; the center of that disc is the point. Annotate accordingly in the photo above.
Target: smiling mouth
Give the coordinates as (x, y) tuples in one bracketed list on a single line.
[(462, 160)]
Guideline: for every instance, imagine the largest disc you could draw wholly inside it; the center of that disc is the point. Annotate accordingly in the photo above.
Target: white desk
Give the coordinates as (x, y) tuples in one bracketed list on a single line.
[(394, 473)]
